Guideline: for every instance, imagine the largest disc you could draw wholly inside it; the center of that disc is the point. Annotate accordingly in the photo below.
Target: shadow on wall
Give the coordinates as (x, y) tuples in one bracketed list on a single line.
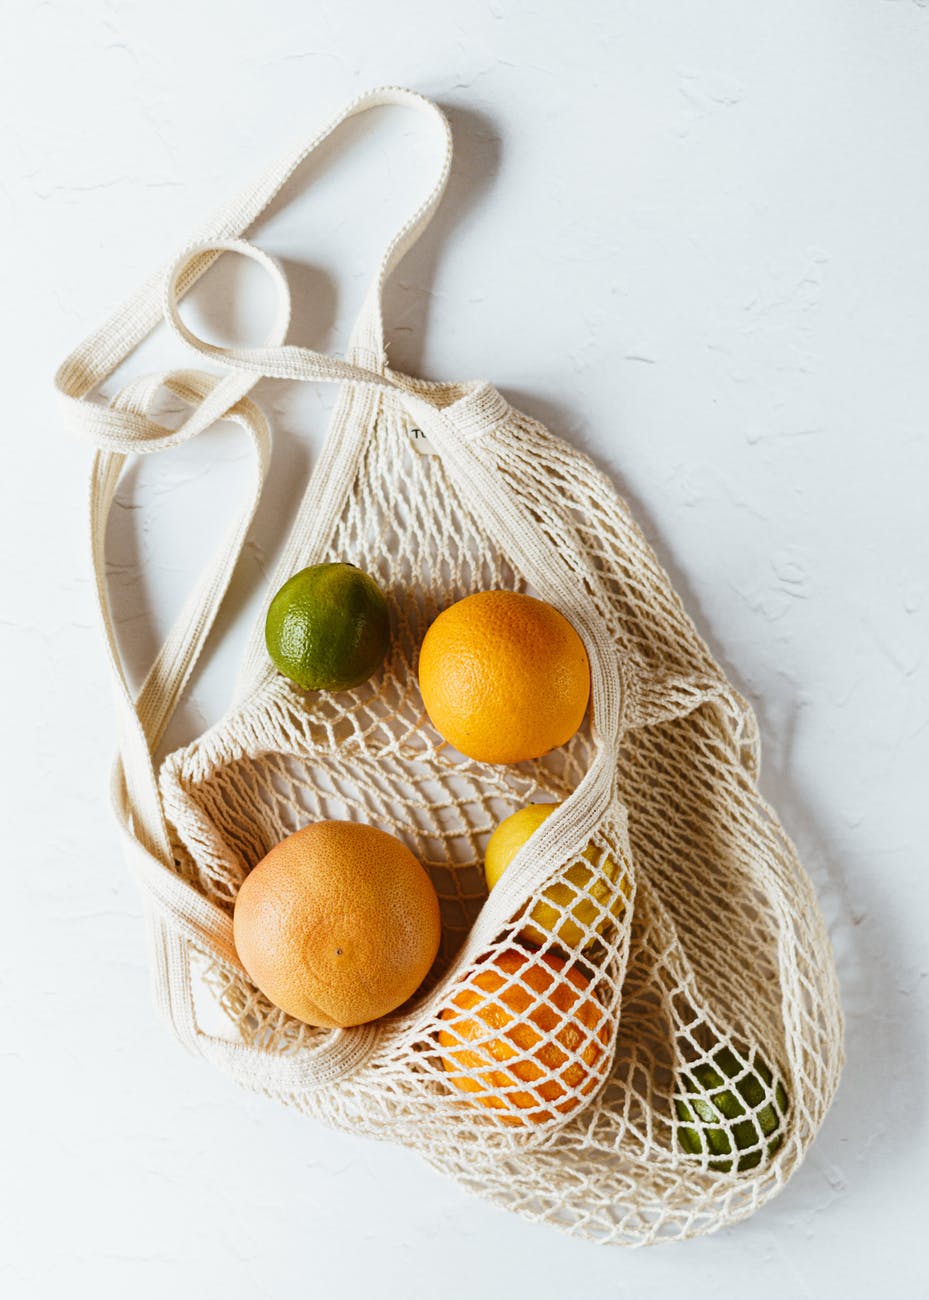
[(408, 294)]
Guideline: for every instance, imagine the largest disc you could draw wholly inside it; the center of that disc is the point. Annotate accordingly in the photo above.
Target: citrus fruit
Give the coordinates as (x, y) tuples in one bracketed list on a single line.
[(504, 677), (578, 907), (707, 1098), (328, 628), (530, 1057), (338, 924)]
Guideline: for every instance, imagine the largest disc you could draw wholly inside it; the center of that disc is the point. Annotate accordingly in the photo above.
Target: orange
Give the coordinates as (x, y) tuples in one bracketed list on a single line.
[(338, 924), (500, 1031), (504, 677)]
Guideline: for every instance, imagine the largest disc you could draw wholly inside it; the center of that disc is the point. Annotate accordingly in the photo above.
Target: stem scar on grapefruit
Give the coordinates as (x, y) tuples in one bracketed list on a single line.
[(504, 677)]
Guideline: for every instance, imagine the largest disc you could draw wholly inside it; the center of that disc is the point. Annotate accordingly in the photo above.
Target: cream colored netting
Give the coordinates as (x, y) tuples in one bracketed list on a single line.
[(708, 952)]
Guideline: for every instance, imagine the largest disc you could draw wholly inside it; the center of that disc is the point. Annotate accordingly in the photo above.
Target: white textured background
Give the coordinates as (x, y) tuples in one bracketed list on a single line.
[(693, 238)]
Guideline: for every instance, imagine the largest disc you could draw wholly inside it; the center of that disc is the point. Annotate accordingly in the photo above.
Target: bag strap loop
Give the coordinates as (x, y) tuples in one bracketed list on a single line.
[(124, 427), (100, 354), (276, 360)]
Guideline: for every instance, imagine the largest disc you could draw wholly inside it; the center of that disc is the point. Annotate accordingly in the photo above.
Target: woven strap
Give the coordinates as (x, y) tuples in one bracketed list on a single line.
[(516, 531), (180, 915)]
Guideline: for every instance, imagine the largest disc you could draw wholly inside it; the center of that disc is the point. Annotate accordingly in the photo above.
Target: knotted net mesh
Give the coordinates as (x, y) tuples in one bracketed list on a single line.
[(648, 1043)]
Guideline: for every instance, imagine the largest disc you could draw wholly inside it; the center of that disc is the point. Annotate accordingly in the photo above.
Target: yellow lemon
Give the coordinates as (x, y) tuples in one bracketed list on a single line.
[(576, 908)]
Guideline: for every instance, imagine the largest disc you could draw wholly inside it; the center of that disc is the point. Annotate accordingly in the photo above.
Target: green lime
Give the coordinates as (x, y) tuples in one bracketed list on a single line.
[(706, 1103), (328, 628)]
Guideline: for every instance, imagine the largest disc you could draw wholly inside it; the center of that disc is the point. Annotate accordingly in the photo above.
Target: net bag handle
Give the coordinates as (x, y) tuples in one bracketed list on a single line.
[(99, 355), (178, 915), (518, 532)]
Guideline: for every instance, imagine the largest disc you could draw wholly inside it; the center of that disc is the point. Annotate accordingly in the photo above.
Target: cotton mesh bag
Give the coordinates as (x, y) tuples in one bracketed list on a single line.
[(665, 1070)]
